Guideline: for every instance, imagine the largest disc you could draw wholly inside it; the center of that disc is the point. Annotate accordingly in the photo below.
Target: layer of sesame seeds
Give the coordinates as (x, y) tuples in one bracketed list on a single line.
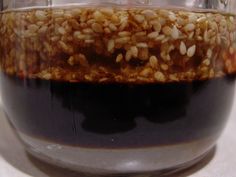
[(117, 45)]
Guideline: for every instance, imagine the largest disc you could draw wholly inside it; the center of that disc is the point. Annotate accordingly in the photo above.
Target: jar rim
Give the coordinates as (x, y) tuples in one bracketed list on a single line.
[(226, 6)]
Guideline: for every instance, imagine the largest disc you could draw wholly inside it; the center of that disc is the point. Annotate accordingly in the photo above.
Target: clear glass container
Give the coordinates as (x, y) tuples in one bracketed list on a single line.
[(118, 87)]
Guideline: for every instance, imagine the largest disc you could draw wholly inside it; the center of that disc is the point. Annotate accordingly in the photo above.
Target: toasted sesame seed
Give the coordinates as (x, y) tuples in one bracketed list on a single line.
[(40, 15), (97, 28), (139, 18), (209, 53), (191, 51), (134, 51), (159, 76), (124, 33), (146, 72), (89, 41), (153, 62), (206, 36), (167, 30), (143, 33), (110, 45), (153, 35), (87, 31), (201, 19), (172, 17), (157, 26), (142, 45), (98, 16), (183, 48), (175, 33), (119, 58), (128, 55), (112, 27), (206, 62), (160, 38), (164, 67), (189, 27), (107, 11), (122, 40), (150, 14), (62, 30)]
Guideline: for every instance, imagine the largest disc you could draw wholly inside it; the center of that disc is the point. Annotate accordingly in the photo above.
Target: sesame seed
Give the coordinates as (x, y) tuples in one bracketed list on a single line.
[(191, 51), (119, 58), (111, 45), (159, 76), (183, 48), (97, 28), (153, 35), (134, 51), (142, 45), (189, 27), (153, 62), (175, 33)]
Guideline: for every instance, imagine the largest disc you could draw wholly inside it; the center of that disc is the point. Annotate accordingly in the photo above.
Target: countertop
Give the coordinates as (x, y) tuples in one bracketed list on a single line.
[(15, 162)]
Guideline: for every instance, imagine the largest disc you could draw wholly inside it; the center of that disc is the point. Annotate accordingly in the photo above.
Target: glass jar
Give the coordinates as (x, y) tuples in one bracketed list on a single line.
[(118, 87)]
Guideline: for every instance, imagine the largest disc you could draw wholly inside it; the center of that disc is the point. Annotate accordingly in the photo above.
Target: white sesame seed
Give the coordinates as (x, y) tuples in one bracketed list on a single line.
[(201, 19), (157, 26), (183, 48), (107, 11), (89, 41), (40, 15), (119, 58), (191, 51), (62, 30), (128, 55), (139, 18), (110, 45), (142, 45), (159, 76), (189, 27), (206, 62), (206, 36), (149, 14), (160, 38), (153, 62), (153, 35), (122, 40), (175, 33), (112, 27), (124, 33), (134, 51), (97, 28), (167, 30), (209, 53)]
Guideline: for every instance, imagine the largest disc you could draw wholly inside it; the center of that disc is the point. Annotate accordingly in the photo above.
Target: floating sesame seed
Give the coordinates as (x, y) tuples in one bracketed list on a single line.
[(159, 76), (191, 51), (175, 33), (142, 45), (183, 48), (111, 45), (153, 35), (119, 58), (189, 27)]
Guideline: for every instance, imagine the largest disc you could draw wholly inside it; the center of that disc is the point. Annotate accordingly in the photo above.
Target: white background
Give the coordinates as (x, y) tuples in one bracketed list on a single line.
[(14, 162)]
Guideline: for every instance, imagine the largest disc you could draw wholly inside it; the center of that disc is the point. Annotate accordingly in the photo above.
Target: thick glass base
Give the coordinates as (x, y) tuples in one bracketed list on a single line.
[(144, 162)]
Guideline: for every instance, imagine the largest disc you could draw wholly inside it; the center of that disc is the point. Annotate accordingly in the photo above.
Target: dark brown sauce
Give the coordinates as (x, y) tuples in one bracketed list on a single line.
[(117, 115)]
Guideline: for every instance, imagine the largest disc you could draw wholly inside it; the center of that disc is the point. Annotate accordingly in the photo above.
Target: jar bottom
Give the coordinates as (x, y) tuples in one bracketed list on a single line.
[(144, 162)]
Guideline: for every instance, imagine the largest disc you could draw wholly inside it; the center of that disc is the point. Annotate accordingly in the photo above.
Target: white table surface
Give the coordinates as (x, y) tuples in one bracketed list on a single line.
[(14, 162)]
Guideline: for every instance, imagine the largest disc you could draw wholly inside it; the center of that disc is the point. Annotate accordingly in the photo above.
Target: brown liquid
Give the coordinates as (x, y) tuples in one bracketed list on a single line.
[(118, 115)]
